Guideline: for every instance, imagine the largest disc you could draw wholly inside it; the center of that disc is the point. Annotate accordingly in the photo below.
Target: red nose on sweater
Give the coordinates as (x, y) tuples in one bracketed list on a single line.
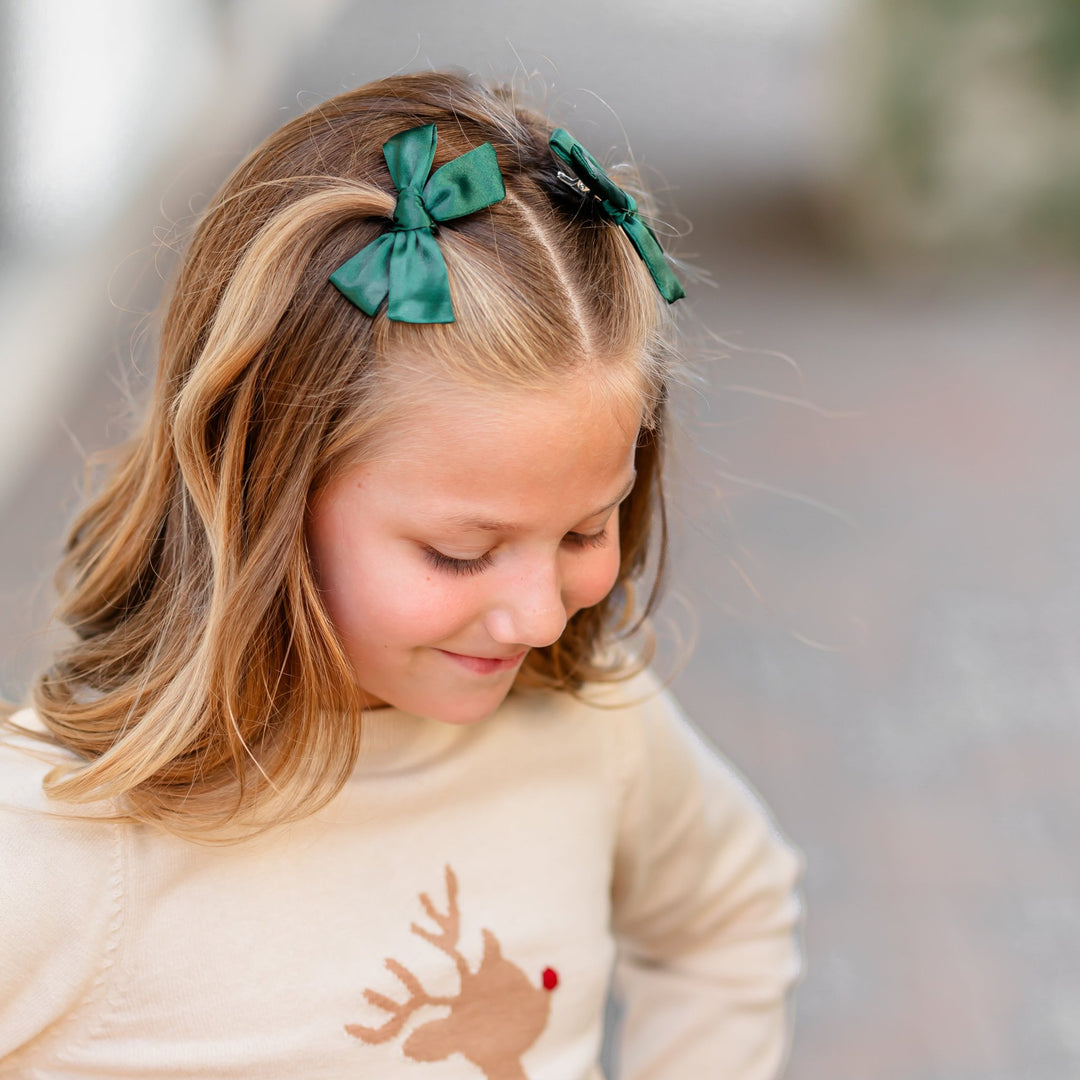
[(551, 978)]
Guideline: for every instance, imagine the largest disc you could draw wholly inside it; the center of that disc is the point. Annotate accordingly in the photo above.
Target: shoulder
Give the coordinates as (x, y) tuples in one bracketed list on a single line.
[(24, 761), (620, 704), (42, 840), (655, 746), (60, 887), (634, 733), (688, 817), (660, 748), (656, 752), (609, 721), (27, 756)]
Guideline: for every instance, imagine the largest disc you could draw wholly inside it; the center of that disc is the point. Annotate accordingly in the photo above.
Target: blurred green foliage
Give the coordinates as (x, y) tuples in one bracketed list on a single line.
[(1057, 44), (956, 80), (1052, 29)]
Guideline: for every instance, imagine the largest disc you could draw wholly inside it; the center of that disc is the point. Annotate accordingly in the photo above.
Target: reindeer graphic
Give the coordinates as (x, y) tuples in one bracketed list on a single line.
[(495, 1017)]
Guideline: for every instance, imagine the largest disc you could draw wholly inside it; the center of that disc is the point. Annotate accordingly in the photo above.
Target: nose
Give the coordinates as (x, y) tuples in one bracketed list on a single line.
[(530, 611)]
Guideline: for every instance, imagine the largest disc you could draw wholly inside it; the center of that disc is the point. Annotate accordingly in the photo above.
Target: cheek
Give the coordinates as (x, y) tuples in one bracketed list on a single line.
[(400, 604), (593, 578), (382, 593)]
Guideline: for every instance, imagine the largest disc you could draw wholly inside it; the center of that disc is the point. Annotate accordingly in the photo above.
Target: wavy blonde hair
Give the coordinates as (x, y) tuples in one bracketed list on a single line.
[(206, 690)]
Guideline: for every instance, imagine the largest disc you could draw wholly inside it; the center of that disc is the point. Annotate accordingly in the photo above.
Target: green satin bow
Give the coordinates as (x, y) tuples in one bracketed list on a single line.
[(620, 206), (405, 266)]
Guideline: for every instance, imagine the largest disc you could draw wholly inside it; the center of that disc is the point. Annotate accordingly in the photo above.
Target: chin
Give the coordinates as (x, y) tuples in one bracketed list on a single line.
[(464, 713), (447, 693), (460, 708)]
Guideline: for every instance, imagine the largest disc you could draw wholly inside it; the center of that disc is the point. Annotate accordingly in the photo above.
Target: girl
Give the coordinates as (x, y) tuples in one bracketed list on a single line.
[(345, 772)]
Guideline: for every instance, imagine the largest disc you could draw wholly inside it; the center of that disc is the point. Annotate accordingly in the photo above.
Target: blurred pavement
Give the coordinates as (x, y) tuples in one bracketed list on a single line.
[(904, 688)]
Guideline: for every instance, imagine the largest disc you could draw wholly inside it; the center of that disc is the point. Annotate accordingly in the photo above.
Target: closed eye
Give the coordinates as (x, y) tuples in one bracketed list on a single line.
[(467, 567), (575, 539), (457, 566)]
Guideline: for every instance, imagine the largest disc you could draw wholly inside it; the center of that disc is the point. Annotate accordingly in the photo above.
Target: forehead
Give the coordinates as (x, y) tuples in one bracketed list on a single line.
[(433, 412), (462, 452)]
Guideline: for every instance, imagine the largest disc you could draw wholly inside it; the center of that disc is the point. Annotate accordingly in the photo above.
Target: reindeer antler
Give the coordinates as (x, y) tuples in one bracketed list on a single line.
[(449, 924), (399, 1011)]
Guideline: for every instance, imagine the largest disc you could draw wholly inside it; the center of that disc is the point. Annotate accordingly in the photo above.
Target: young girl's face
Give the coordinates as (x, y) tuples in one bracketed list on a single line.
[(479, 526)]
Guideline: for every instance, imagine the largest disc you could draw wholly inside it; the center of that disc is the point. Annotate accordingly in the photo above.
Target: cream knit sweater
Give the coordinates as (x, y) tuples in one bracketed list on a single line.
[(454, 913)]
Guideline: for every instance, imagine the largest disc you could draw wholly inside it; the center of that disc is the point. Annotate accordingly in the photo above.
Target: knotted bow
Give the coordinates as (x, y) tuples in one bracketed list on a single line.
[(620, 206), (405, 266)]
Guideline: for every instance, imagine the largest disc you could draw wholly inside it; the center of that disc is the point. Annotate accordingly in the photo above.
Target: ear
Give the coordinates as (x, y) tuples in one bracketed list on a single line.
[(492, 949)]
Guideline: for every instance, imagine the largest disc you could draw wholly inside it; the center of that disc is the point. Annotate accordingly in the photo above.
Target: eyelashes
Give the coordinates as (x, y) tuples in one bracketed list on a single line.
[(465, 567), (468, 567), (586, 540)]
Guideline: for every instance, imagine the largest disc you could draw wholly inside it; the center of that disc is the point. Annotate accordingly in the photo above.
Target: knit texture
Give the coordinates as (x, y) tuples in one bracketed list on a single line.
[(456, 912)]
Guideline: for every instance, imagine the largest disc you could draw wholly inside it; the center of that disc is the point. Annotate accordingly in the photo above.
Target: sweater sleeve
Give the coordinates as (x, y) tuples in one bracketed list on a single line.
[(705, 911), (59, 906)]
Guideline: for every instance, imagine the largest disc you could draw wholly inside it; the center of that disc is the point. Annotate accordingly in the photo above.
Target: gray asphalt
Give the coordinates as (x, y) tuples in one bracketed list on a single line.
[(888, 591)]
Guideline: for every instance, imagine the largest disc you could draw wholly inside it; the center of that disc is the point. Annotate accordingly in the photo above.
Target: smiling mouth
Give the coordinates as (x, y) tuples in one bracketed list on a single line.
[(485, 665)]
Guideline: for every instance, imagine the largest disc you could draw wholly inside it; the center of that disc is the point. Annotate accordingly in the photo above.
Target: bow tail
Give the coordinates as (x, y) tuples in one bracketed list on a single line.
[(419, 285), (364, 279), (648, 247)]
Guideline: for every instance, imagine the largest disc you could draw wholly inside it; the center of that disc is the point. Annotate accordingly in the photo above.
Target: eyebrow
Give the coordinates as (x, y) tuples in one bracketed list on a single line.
[(491, 525)]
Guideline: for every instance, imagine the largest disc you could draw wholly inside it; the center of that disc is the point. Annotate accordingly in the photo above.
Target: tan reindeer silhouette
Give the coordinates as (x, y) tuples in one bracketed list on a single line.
[(495, 1017)]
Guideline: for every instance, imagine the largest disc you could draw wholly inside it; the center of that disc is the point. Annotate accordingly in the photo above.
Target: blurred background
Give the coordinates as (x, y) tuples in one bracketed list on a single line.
[(877, 530)]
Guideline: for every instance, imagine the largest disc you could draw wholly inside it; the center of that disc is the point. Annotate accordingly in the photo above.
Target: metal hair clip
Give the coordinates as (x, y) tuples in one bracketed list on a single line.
[(574, 182), (619, 205)]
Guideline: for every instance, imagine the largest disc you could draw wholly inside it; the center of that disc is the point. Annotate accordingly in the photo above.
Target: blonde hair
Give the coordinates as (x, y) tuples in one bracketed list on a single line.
[(206, 688)]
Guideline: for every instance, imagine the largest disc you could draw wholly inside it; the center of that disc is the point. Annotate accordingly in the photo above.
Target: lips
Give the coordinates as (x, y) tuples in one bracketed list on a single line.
[(484, 665)]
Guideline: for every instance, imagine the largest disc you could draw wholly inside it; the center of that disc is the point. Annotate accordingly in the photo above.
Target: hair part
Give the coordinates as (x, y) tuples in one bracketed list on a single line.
[(206, 690)]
